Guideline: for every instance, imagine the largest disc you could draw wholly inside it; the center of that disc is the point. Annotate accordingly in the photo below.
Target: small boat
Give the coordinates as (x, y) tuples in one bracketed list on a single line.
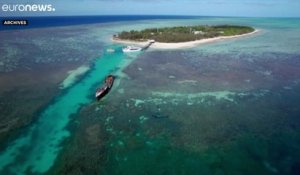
[(108, 83), (110, 50), (132, 49)]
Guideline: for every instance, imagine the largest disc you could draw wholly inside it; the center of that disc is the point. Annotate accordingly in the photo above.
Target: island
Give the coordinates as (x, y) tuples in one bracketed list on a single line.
[(182, 36)]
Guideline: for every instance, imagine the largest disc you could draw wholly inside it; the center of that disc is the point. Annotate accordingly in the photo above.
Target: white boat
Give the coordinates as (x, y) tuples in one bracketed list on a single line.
[(132, 49), (110, 50)]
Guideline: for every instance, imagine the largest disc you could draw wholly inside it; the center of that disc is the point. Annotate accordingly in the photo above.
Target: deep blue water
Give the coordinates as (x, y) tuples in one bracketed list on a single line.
[(49, 21)]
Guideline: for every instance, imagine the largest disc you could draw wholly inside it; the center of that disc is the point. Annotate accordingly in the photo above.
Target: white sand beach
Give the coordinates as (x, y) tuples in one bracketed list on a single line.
[(181, 45)]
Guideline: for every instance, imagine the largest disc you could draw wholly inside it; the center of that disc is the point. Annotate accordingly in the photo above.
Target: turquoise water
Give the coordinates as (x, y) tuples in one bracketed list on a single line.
[(38, 147), (238, 115), (253, 129)]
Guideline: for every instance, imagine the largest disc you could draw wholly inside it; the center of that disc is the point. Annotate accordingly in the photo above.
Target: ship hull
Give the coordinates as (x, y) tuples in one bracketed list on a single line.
[(102, 92)]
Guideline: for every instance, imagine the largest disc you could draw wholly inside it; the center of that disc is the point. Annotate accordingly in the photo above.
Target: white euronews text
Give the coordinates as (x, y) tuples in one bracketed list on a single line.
[(27, 8)]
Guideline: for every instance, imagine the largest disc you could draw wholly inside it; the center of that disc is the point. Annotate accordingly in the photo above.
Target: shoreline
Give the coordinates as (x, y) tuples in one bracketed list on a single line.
[(182, 45)]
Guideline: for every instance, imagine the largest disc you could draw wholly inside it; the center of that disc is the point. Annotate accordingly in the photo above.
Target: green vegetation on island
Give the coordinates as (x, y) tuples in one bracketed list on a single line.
[(183, 33)]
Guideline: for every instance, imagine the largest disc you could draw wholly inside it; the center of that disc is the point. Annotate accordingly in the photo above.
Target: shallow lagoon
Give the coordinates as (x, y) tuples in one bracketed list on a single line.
[(228, 108)]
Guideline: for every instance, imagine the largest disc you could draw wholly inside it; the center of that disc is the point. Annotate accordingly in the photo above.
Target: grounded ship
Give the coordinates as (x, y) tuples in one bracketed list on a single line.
[(108, 83)]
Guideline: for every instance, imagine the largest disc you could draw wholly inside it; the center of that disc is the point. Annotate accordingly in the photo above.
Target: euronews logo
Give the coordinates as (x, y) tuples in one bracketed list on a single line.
[(27, 8)]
